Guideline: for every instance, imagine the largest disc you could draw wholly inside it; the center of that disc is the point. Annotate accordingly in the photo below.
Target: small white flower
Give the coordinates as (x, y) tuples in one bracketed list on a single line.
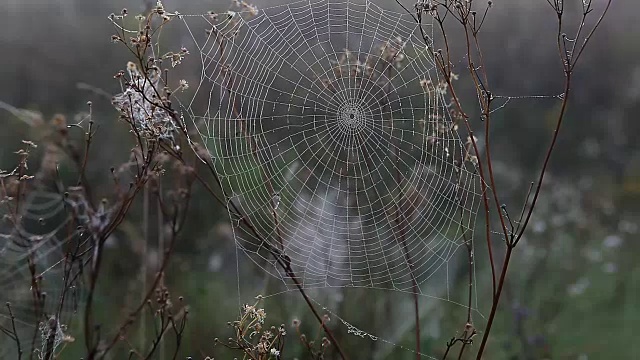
[(275, 352), (610, 268), (253, 10), (612, 241), (260, 315), (160, 7), (579, 287), (176, 59)]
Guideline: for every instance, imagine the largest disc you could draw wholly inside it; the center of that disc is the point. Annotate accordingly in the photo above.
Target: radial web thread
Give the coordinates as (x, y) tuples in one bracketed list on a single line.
[(328, 124)]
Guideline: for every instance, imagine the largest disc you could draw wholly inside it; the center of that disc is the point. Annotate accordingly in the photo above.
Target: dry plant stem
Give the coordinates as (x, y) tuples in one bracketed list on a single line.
[(177, 222), (292, 275), (286, 265), (98, 244), (38, 298), (484, 96), (252, 142), (283, 261), (462, 349), (401, 222), (462, 18), (568, 65), (49, 348), (400, 218), (444, 66), (470, 294), (69, 259), (143, 266), (15, 216), (496, 300), (170, 319), (95, 265), (21, 174), (85, 158), (468, 244), (158, 342), (165, 326), (161, 245), (467, 241), (81, 162), (15, 332)]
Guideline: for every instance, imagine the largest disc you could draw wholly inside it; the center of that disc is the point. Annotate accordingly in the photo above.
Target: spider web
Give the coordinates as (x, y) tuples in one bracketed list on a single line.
[(332, 134), (39, 241)]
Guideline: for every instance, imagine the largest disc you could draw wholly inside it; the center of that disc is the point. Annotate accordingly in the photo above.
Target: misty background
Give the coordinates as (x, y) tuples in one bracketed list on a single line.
[(574, 291)]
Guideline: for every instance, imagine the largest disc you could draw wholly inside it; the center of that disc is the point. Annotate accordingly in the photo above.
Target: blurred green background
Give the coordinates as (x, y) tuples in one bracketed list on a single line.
[(574, 288)]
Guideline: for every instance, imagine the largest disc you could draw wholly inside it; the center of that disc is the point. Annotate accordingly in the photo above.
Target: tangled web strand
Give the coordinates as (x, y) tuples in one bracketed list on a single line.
[(329, 126)]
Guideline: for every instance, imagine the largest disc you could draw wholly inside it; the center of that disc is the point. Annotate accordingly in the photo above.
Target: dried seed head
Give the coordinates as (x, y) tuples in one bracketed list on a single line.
[(325, 342)]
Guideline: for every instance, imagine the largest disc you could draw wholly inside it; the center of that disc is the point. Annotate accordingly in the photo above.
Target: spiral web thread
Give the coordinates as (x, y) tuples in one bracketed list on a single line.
[(329, 127)]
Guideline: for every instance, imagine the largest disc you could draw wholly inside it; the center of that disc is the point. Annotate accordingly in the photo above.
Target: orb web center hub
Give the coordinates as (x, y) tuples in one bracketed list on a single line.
[(351, 118)]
